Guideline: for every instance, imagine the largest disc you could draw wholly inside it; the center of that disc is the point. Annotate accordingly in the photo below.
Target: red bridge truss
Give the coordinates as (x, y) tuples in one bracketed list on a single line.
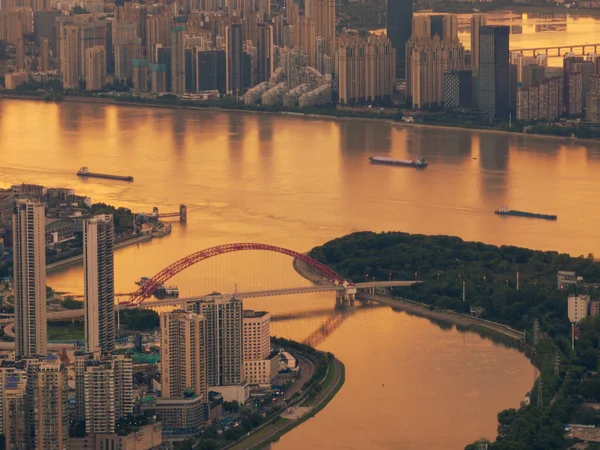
[(167, 273)]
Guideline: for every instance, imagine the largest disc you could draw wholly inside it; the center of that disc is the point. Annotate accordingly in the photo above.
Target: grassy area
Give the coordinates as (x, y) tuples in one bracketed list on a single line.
[(65, 331), (324, 386), (260, 435)]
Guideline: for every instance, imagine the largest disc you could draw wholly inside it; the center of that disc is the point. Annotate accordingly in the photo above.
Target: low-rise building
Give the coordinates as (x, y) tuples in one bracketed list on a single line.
[(564, 279), (148, 437), (181, 418), (12, 80)]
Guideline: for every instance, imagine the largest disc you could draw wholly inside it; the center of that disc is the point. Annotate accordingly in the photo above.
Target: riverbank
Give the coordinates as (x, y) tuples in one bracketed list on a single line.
[(337, 116), (79, 258), (420, 309), (298, 411)]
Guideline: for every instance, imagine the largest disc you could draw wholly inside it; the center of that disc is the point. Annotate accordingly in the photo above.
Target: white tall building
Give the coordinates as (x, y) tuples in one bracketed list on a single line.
[(259, 369), (29, 271), (98, 263), (578, 307), (183, 354)]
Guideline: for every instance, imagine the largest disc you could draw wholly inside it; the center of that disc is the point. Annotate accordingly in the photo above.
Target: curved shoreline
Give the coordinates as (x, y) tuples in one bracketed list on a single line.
[(146, 104)]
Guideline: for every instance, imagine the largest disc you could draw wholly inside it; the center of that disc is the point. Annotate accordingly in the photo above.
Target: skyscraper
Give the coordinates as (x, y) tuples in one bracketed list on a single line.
[(494, 73), (123, 370), (257, 348), (183, 354), (365, 70), (224, 339), (95, 68), (323, 14), (98, 262), (211, 70), (477, 21), (44, 55), (399, 29), (29, 268), (235, 60), (48, 405), (69, 56), (427, 60), (264, 51), (178, 56)]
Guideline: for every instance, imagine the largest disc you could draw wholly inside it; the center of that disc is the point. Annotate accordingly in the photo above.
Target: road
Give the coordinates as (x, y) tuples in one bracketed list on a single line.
[(283, 427)]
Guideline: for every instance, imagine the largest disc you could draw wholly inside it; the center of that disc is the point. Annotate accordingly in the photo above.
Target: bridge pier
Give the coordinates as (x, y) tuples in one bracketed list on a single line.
[(345, 298)]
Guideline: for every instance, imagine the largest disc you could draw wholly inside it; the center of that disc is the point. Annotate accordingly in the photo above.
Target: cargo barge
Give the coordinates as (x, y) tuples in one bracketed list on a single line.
[(418, 163), (505, 211), (84, 172)]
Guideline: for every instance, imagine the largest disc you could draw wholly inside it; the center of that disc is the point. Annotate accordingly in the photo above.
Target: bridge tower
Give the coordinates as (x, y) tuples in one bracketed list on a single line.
[(155, 211), (182, 213)]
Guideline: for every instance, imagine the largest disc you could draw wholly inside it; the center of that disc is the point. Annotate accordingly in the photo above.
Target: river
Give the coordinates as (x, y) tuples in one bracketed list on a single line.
[(297, 183)]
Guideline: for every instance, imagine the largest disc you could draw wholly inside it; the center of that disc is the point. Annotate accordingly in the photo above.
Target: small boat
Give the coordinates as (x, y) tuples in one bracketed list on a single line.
[(417, 163), (506, 211), (84, 172), (142, 281)]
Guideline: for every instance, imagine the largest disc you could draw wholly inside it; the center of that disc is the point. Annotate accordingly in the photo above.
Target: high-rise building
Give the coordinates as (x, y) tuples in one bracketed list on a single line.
[(458, 88), (98, 261), (428, 25), (264, 52), (427, 60), (224, 339), (477, 21), (235, 59), (257, 335), (540, 101), (571, 66), (365, 70), (8, 370), (81, 360), (183, 354), (20, 55), (95, 68), (161, 70), (306, 38), (178, 29), (29, 271), (123, 370), (323, 14), (44, 55), (69, 56), (14, 405), (574, 100), (48, 405), (399, 30), (494, 73), (99, 392), (259, 369), (211, 68), (592, 111)]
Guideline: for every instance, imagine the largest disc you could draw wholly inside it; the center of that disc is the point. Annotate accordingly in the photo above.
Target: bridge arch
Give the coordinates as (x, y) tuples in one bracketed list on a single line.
[(178, 266)]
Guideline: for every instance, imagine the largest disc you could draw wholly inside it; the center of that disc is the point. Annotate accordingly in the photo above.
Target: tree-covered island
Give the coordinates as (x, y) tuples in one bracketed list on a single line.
[(489, 274)]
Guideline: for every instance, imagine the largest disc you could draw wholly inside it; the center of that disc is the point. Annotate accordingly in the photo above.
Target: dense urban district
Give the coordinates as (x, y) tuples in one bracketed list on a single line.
[(553, 297), (312, 56), (205, 375)]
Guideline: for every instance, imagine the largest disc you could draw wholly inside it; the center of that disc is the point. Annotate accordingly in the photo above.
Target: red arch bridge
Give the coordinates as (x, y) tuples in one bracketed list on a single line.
[(331, 280)]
